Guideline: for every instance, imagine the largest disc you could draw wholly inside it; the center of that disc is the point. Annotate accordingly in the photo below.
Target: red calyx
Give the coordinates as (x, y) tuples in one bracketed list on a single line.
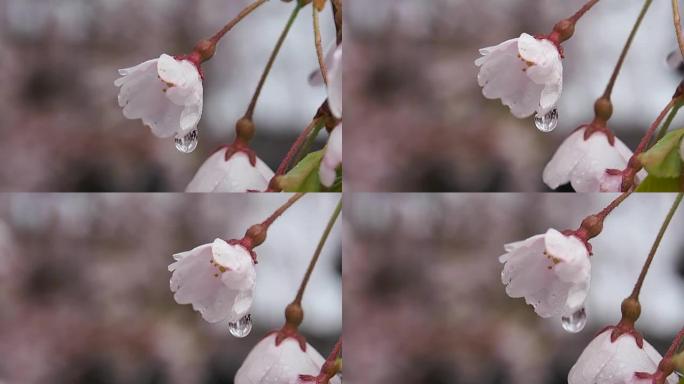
[(624, 328), (596, 127), (582, 235), (658, 377), (322, 378), (554, 38), (195, 59), (247, 244), (289, 332), (239, 146)]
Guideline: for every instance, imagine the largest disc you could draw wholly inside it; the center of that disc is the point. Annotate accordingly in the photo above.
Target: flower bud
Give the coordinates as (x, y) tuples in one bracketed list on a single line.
[(245, 129), (603, 109), (257, 233), (565, 29), (631, 309), (206, 49), (294, 314)]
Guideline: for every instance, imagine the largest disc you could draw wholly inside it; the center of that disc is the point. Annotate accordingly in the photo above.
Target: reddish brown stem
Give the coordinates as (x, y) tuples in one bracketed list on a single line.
[(244, 13), (278, 212), (585, 8), (651, 130), (292, 152), (676, 343), (613, 204)]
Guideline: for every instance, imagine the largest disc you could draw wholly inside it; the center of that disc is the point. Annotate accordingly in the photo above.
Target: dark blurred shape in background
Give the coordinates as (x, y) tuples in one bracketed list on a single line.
[(424, 302), (84, 286), (60, 125)]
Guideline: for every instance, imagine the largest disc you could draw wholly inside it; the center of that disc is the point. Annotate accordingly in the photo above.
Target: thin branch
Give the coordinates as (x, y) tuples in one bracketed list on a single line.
[(244, 13), (654, 248), (317, 253), (249, 114), (317, 43)]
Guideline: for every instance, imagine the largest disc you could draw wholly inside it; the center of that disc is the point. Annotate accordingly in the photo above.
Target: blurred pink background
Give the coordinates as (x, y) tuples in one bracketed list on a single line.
[(417, 120), (84, 285), (60, 125), (424, 302)]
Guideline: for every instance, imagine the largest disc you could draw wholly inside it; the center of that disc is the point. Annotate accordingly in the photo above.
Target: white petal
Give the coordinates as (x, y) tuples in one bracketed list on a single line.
[(218, 279), (525, 73), (335, 83), (268, 363), (607, 362), (235, 175), (551, 271), (332, 158), (583, 163), (165, 93)]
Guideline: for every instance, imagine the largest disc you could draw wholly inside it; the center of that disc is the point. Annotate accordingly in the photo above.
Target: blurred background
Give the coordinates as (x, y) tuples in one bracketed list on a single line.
[(84, 285), (424, 302), (60, 125), (418, 120)]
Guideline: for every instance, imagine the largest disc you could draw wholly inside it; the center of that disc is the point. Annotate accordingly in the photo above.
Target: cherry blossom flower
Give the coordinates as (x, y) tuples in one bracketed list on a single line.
[(166, 93), (280, 364), (333, 62), (588, 164), (236, 174), (615, 362), (332, 158), (218, 279), (526, 73), (551, 271)]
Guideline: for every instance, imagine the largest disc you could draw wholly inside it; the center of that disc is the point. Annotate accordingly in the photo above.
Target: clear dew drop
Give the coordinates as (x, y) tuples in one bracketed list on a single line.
[(242, 327), (188, 142), (575, 322), (548, 122)]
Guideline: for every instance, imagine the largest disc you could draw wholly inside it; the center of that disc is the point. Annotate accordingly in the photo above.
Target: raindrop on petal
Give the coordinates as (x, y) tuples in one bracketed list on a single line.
[(242, 327), (548, 122), (188, 142), (575, 322)]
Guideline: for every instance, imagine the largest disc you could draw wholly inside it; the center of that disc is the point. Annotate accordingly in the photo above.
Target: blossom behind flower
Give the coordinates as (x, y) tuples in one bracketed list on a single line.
[(281, 364), (615, 362), (585, 163), (236, 174)]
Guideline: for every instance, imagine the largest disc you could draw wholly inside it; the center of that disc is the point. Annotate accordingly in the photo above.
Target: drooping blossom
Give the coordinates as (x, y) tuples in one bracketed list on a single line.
[(332, 159), (269, 363), (165, 93), (218, 279), (526, 73), (615, 362), (236, 174), (590, 164), (551, 271)]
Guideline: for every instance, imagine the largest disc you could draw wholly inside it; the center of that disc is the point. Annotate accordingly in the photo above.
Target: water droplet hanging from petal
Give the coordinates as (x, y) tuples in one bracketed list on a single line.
[(242, 327)]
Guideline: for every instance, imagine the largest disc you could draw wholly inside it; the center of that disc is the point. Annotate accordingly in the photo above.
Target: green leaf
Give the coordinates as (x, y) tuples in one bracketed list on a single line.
[(681, 380), (663, 159), (304, 176), (659, 184)]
